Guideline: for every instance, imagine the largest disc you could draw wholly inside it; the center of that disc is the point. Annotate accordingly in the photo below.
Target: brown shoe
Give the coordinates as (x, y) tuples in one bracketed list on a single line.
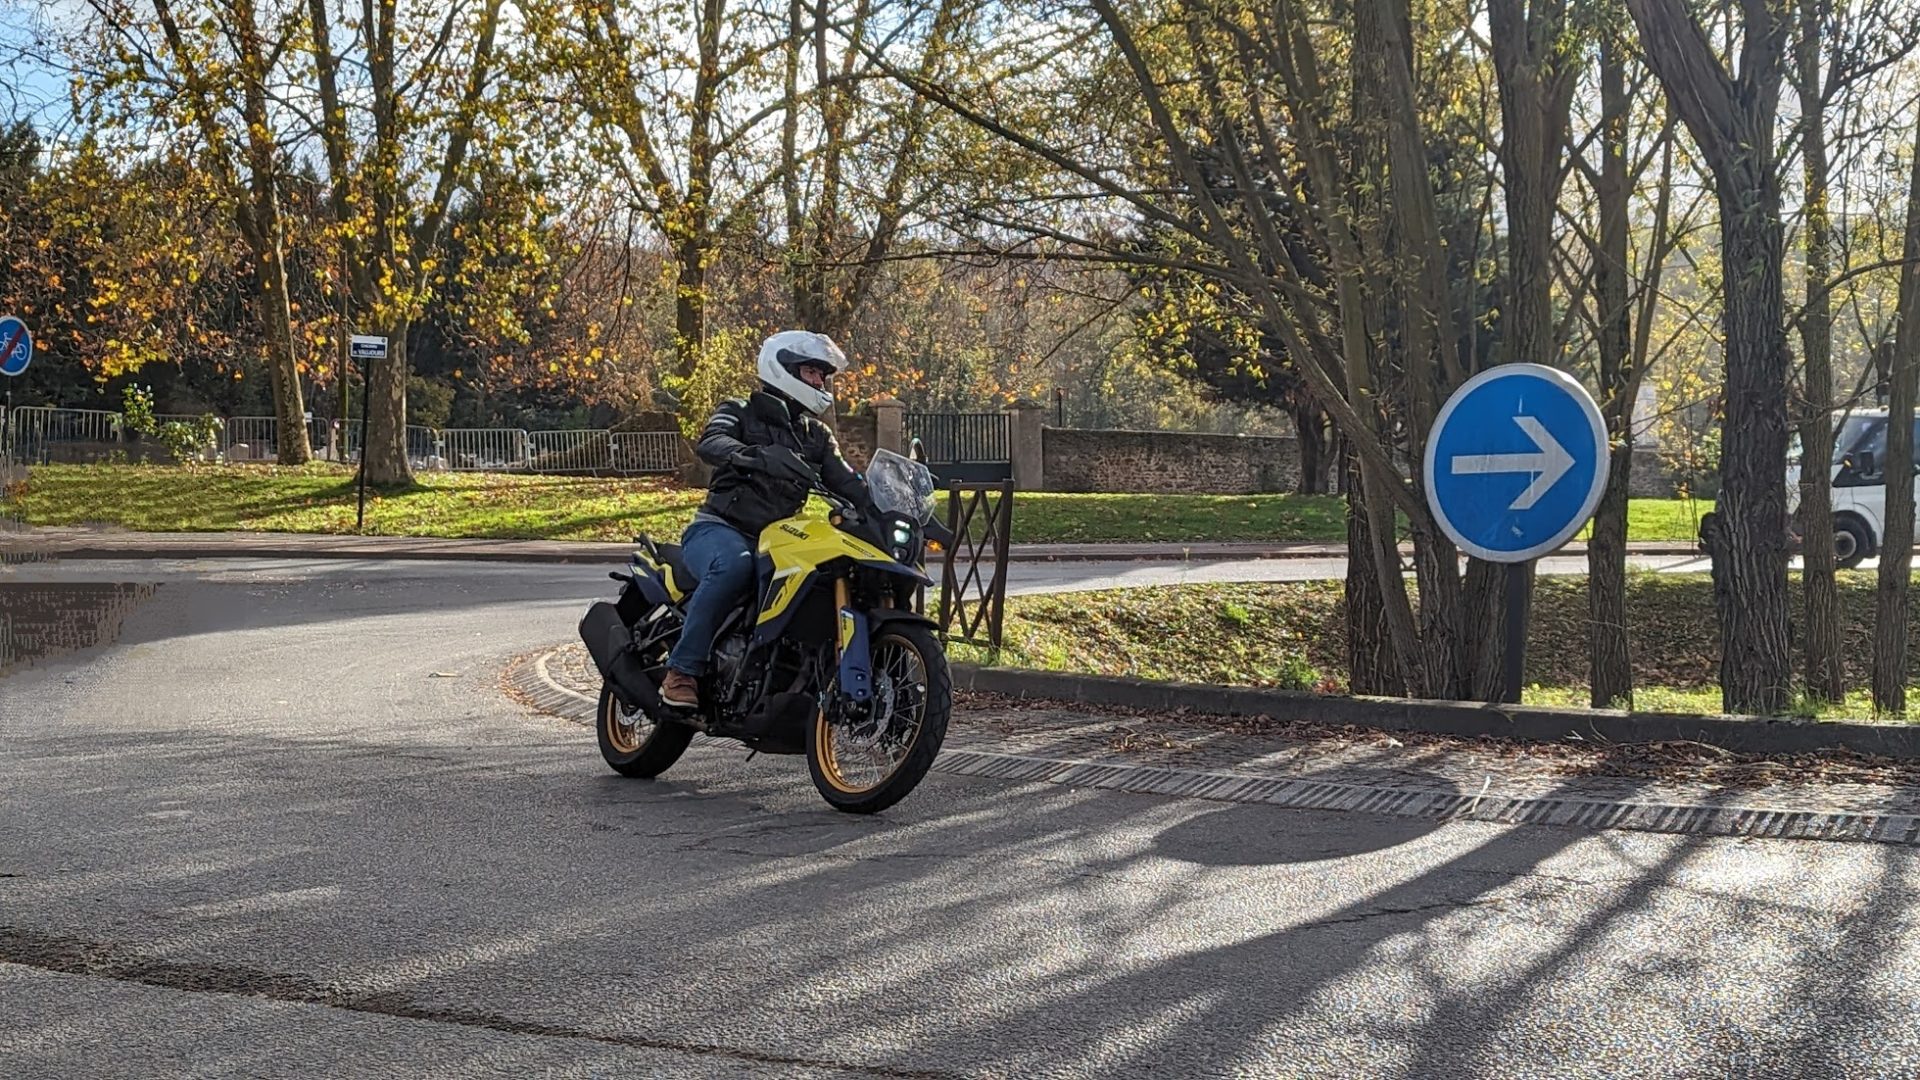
[(680, 690)]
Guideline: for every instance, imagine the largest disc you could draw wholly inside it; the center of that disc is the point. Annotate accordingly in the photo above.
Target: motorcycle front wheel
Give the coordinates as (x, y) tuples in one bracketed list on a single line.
[(634, 743), (864, 764)]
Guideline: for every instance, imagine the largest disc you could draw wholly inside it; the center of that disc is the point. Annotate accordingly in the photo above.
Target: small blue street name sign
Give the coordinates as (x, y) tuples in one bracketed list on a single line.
[(1516, 462), (16, 346)]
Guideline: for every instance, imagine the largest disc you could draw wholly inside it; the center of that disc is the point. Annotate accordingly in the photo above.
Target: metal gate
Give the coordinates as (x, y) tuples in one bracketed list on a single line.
[(973, 581), (972, 448)]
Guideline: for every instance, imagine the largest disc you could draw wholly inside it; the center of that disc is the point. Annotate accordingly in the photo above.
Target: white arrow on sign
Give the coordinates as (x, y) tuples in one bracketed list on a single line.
[(1547, 466)]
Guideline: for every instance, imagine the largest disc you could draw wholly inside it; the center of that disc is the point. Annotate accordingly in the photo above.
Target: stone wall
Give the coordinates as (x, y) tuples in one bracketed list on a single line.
[(1651, 478), (857, 436), (1169, 462)]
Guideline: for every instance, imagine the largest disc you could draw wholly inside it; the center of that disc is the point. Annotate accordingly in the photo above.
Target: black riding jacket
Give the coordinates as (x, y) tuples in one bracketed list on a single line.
[(750, 499)]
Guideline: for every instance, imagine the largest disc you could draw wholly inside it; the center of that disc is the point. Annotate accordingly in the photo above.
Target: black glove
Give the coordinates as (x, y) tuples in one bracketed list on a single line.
[(781, 462)]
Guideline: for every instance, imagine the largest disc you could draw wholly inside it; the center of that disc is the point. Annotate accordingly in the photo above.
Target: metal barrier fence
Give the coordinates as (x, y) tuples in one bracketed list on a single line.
[(37, 435), (647, 451), (602, 451), (251, 438), (44, 436), (483, 449), (340, 440), (422, 447)]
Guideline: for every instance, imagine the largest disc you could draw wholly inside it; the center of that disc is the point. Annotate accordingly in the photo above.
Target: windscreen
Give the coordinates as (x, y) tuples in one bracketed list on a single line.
[(900, 486)]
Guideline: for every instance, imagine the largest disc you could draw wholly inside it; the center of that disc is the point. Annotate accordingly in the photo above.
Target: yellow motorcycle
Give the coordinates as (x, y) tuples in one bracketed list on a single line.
[(831, 657)]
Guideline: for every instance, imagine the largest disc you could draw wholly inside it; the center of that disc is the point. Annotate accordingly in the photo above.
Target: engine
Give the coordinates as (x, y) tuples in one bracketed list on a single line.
[(728, 653)]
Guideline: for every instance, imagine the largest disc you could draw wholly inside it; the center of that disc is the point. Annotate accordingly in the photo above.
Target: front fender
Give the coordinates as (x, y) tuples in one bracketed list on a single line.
[(879, 617), (889, 566)]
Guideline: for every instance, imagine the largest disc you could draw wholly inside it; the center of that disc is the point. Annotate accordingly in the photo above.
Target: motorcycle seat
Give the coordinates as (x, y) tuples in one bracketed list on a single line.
[(670, 555)]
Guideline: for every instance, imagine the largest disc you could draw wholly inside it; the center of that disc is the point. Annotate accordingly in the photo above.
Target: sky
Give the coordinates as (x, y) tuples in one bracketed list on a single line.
[(30, 89)]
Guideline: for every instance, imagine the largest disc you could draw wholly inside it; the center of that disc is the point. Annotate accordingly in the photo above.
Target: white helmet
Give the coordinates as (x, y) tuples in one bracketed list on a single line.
[(780, 360)]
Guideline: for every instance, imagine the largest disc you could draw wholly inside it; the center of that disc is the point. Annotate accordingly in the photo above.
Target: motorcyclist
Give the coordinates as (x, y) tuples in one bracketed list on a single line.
[(767, 451)]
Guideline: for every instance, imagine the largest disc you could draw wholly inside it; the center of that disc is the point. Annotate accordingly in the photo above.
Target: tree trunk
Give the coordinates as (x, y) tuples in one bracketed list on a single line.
[(1896, 548), (692, 233), (1535, 76), (1748, 540), (690, 304), (1372, 667), (1407, 344), (1307, 434), (1825, 678), (270, 253), (289, 409), (385, 448), (1483, 591), (256, 207), (1732, 122), (1609, 661), (1609, 658)]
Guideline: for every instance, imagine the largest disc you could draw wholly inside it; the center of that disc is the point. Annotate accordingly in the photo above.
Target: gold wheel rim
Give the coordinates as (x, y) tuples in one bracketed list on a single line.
[(624, 738), (829, 753), (829, 763)]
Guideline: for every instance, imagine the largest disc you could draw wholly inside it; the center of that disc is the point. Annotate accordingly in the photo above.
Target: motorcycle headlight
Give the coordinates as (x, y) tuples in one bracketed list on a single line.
[(902, 536)]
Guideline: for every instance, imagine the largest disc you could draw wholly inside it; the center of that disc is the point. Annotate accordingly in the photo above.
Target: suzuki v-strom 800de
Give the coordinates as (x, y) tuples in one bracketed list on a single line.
[(829, 657)]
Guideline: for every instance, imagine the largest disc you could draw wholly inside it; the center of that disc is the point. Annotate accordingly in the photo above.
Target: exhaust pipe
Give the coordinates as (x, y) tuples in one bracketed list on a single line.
[(610, 644)]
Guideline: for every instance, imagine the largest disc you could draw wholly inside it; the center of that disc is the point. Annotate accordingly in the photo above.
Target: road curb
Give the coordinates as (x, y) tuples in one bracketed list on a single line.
[(1738, 734)]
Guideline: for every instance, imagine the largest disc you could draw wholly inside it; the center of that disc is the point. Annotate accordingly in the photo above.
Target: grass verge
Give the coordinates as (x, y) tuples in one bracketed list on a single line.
[(1292, 636), (322, 499)]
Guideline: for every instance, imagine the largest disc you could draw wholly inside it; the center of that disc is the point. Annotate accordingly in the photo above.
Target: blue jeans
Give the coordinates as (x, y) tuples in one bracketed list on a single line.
[(721, 558)]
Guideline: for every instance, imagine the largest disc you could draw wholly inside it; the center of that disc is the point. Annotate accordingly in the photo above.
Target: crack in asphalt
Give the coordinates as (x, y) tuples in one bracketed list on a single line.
[(1417, 909), (709, 845), (122, 963)]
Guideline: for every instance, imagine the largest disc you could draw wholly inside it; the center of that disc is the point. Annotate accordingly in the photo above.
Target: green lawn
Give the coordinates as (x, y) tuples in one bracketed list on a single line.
[(320, 499), (1051, 517), (1662, 519)]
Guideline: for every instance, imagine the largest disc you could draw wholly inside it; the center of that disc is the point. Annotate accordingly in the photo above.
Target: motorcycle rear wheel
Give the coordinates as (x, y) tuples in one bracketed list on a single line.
[(634, 743), (910, 674)]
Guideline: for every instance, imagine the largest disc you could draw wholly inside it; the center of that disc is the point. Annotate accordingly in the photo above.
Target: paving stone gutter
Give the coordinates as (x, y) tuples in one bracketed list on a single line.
[(1739, 734)]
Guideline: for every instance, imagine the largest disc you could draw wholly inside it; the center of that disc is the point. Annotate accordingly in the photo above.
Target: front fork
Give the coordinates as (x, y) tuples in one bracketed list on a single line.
[(856, 653)]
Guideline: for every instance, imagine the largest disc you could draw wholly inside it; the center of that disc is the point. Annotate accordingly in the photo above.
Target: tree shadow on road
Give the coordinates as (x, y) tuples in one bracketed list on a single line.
[(981, 928)]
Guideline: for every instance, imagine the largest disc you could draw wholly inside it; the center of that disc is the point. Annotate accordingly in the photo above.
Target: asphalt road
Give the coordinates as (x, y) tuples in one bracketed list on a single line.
[(288, 826)]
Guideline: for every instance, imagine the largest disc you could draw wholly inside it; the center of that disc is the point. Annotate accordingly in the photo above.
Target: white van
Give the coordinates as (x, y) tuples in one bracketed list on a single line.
[(1859, 485)]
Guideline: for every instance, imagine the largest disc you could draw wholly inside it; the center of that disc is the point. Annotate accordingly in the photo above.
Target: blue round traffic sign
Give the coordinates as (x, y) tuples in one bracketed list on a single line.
[(16, 346), (1516, 462)]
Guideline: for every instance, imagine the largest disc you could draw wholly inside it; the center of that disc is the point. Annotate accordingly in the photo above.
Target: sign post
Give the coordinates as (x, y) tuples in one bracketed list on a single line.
[(1515, 465), (366, 349)]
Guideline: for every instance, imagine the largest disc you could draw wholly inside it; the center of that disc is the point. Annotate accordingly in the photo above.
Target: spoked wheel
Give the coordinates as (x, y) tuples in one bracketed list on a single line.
[(634, 743), (864, 764)]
